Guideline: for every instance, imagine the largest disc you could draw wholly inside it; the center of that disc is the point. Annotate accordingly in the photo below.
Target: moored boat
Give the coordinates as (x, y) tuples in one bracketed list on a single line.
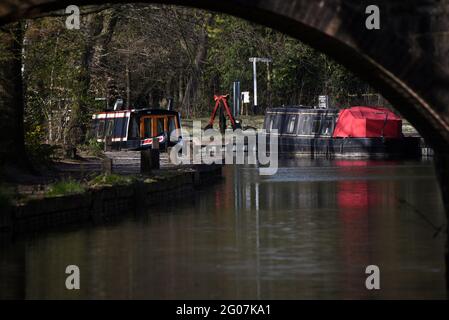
[(363, 132), (136, 129)]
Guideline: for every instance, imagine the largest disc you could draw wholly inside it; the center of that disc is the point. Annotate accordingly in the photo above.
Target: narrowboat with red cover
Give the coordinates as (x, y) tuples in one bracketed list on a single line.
[(360, 131)]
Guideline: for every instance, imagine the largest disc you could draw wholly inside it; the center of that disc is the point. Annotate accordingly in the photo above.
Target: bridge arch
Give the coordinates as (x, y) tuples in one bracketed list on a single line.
[(405, 60)]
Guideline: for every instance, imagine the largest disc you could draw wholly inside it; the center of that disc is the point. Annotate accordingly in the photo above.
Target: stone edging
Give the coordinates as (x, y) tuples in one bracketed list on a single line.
[(97, 204)]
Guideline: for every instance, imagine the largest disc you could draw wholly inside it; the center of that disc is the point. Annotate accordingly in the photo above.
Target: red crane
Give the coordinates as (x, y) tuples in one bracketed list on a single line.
[(222, 102)]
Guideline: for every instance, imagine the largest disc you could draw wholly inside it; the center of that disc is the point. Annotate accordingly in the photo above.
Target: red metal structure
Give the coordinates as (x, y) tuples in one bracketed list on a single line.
[(222, 102), (368, 122)]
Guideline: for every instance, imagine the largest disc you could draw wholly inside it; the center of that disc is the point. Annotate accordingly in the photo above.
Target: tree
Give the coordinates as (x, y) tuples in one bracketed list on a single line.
[(12, 147), (145, 53)]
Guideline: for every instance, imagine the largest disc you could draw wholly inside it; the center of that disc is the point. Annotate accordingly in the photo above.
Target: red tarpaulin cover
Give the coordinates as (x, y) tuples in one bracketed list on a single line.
[(368, 122)]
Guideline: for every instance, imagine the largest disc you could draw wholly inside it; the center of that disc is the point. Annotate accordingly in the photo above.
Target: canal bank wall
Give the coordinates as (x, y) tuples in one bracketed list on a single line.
[(96, 205)]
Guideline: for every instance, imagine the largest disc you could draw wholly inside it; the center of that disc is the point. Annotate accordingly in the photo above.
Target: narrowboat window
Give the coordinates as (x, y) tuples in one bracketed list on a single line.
[(316, 124), (109, 127), (278, 122), (291, 124), (133, 128), (171, 124), (100, 129), (119, 128), (300, 124), (147, 128), (332, 121), (305, 125), (160, 126), (327, 126), (274, 122)]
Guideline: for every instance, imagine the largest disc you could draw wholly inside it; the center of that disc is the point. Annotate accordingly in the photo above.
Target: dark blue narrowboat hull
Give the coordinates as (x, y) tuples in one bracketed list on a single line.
[(373, 148)]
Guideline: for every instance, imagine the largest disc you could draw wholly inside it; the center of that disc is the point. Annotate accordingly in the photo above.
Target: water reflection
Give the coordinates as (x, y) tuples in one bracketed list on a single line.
[(308, 232)]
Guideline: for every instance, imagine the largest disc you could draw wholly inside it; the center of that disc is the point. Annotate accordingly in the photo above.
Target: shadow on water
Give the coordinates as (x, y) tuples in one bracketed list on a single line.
[(307, 232)]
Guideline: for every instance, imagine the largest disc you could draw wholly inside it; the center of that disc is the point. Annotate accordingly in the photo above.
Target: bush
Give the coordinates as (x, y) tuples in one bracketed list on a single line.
[(94, 147), (39, 154), (63, 188)]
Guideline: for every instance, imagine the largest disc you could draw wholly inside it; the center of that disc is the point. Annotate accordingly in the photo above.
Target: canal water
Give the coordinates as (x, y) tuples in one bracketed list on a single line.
[(308, 232)]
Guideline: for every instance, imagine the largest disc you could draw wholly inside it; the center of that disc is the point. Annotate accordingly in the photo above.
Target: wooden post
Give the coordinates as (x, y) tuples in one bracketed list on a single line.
[(155, 144), (155, 159), (149, 160), (106, 166), (108, 144), (145, 157)]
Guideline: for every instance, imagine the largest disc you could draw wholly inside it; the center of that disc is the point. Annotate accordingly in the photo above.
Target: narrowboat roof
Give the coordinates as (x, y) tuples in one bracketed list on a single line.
[(371, 112), (146, 111), (300, 109), (155, 111), (368, 122)]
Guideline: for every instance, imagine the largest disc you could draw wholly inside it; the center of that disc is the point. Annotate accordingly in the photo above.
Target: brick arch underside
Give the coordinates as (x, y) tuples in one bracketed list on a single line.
[(403, 60)]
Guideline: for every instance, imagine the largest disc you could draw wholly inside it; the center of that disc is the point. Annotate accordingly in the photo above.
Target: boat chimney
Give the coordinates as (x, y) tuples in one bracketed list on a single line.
[(170, 104), (118, 104)]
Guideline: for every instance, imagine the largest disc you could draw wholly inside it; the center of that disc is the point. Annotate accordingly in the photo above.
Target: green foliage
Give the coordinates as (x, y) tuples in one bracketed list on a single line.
[(159, 50), (39, 154), (51, 76), (94, 147), (298, 73), (111, 180), (67, 187)]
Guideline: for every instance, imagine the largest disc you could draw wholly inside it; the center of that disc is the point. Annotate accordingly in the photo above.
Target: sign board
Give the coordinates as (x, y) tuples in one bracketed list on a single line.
[(323, 102), (266, 60), (245, 96)]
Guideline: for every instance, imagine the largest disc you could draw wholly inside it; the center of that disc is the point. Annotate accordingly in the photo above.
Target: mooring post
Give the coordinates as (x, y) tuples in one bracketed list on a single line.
[(155, 144), (145, 161), (155, 154), (150, 158), (106, 165), (442, 170), (108, 143)]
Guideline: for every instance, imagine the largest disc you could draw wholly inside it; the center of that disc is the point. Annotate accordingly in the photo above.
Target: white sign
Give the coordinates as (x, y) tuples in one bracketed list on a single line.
[(266, 60), (245, 96), (323, 102)]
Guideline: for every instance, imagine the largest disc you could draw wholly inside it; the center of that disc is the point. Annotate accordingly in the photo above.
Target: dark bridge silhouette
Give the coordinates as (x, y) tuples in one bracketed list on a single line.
[(407, 60)]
